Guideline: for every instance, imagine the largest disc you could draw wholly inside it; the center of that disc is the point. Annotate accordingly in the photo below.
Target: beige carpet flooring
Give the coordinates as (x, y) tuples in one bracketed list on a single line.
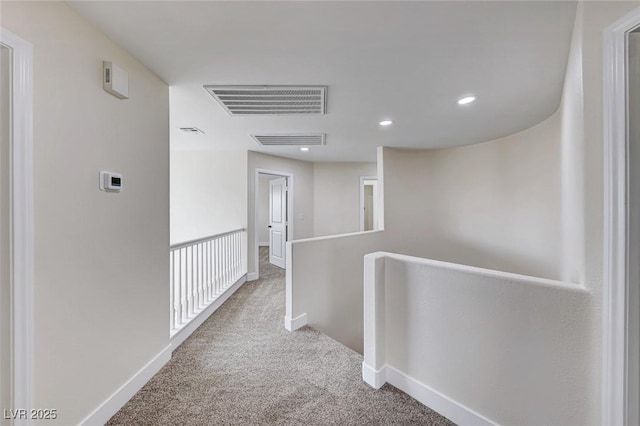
[(241, 367)]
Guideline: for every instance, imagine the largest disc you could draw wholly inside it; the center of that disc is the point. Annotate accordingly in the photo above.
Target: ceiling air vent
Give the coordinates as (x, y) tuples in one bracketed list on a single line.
[(306, 139), (270, 100)]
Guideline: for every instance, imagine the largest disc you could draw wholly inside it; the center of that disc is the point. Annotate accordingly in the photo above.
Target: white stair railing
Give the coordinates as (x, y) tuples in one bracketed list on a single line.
[(200, 271)]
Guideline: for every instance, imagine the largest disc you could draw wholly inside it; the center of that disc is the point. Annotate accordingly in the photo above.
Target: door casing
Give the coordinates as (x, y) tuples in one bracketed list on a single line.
[(22, 228), (618, 334)]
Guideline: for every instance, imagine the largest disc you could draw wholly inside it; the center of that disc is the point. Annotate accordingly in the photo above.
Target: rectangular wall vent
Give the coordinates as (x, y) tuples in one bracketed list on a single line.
[(306, 139), (270, 100)]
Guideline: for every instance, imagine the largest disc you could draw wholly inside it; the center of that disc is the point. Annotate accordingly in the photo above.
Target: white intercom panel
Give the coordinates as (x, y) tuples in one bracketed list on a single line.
[(110, 181)]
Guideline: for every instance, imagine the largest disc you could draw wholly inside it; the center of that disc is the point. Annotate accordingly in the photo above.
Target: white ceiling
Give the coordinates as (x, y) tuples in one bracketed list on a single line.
[(406, 61)]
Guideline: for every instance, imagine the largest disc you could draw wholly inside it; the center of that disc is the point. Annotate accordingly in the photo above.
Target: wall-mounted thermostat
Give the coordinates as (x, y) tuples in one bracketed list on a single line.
[(110, 181), (115, 80)]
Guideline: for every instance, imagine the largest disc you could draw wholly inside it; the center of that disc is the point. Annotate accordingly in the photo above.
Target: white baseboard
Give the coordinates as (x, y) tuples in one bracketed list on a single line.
[(264, 244), (115, 402), (182, 334), (374, 378), (295, 323), (454, 411), (252, 276)]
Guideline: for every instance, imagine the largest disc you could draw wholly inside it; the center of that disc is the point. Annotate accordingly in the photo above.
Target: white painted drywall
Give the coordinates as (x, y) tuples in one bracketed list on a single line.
[(477, 205), (324, 281), (336, 196), (208, 193), (494, 205), (502, 345), (5, 211), (101, 259), (536, 171), (572, 159), (263, 209), (303, 196)]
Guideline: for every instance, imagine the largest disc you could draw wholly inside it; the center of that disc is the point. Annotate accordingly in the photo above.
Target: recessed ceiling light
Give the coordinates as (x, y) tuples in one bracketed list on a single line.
[(466, 100), (386, 123), (304, 148)]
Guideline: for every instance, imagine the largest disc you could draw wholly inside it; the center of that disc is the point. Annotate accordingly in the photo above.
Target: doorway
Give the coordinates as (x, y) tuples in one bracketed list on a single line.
[(16, 223), (621, 292), (368, 203), (273, 213)]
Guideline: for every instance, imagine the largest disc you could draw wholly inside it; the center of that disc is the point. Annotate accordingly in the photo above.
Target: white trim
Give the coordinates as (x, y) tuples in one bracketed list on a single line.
[(290, 216), (615, 280), (252, 276), (263, 244), (375, 368), (186, 331), (22, 262), (119, 398), (361, 214), (292, 324), (442, 404), (374, 378), (288, 286), (335, 237), (380, 201), (438, 402), (485, 272)]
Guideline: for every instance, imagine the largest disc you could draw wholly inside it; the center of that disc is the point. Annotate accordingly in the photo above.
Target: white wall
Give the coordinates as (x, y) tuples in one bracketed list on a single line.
[(478, 205), (494, 205), (303, 196), (336, 196), (511, 348), (5, 152), (101, 299), (208, 193), (263, 209), (324, 281), (572, 161), (551, 177)]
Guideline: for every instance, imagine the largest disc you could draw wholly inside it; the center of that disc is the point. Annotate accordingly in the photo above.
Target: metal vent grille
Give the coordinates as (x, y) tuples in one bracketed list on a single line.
[(306, 139), (270, 100)]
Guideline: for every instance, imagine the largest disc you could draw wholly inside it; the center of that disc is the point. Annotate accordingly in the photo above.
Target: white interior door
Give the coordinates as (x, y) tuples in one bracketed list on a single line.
[(277, 221)]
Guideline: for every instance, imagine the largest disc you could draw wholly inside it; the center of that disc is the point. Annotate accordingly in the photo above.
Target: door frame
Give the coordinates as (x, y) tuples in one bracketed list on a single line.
[(22, 234), (361, 214), (615, 374), (290, 217)]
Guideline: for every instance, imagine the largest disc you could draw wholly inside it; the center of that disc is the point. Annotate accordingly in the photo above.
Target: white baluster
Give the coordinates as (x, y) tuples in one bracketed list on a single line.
[(171, 286), (199, 272), (181, 293)]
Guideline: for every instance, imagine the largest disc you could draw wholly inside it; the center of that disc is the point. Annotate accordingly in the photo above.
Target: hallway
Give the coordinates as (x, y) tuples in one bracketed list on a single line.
[(242, 367)]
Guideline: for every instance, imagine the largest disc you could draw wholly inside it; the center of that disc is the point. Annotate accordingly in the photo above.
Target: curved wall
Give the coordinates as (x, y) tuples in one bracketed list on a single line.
[(494, 205)]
